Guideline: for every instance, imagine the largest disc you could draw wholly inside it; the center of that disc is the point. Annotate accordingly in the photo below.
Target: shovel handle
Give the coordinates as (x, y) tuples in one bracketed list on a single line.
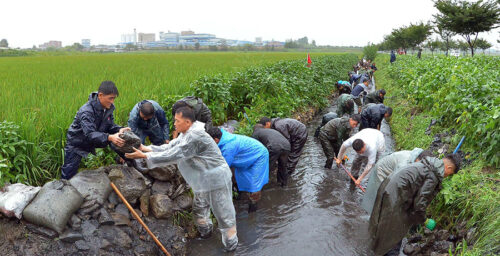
[(136, 216), (353, 179)]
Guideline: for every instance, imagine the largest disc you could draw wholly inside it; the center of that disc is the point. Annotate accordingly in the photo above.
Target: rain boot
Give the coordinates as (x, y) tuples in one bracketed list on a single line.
[(329, 163)]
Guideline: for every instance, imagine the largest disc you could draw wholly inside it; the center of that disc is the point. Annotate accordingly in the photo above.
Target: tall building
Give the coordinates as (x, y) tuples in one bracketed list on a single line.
[(128, 39), (258, 41), (146, 38), (86, 43)]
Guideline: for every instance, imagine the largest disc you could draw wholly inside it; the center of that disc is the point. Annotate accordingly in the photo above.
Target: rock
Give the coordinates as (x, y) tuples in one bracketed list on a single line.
[(470, 235), (162, 187), (105, 244), (123, 210), (105, 218), (411, 249), (138, 212), (452, 238), (89, 228), (92, 185), (146, 249), (88, 210), (415, 238), (438, 254), (82, 245), (144, 200), (113, 198), (442, 246), (88, 204), (129, 182), (428, 232), (184, 202), (96, 214), (120, 219), (116, 236), (179, 191), (442, 234), (163, 173), (70, 236), (161, 206), (131, 140), (41, 230), (75, 222)]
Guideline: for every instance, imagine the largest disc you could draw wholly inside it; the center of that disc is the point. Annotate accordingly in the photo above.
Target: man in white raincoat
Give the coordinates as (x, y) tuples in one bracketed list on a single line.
[(204, 169)]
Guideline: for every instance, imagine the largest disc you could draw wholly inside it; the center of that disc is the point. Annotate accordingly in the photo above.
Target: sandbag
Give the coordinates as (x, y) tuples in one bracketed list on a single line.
[(54, 205), (92, 185), (131, 140), (15, 198)]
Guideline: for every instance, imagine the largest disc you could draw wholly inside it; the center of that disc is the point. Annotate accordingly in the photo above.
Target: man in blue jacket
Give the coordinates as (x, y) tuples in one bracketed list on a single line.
[(147, 119), (93, 127), (372, 116), (250, 160), (359, 91)]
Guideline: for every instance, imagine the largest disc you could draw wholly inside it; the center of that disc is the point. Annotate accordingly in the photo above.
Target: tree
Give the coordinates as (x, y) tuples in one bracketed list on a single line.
[(77, 47), (223, 45), (4, 43), (370, 51), (313, 43), (432, 45), (483, 44), (417, 34), (445, 35), (197, 46), (468, 19)]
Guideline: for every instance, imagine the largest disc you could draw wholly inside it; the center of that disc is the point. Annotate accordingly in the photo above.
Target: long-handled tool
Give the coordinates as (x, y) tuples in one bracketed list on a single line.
[(139, 219), (459, 144), (353, 179)]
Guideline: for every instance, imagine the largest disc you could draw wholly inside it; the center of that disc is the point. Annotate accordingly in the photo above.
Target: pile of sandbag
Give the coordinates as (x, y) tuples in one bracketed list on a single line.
[(14, 198)]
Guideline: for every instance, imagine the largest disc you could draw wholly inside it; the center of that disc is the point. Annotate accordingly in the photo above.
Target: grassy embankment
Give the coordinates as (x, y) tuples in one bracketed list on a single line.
[(463, 95)]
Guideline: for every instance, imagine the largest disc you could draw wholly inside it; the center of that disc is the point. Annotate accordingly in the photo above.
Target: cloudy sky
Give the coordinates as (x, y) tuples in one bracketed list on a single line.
[(25, 23)]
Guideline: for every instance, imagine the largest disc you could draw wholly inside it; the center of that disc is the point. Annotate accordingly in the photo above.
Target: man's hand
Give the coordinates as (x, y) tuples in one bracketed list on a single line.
[(136, 155), (167, 141), (145, 148), (115, 139), (338, 161), (358, 181), (124, 129)]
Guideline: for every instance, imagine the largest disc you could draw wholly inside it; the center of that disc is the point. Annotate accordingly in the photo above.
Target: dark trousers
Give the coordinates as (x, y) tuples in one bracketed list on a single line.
[(280, 159), (72, 162), (296, 151), (155, 136), (329, 144)]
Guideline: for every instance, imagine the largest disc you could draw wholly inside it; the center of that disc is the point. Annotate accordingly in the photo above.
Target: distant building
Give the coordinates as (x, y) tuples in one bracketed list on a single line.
[(258, 41), (50, 44), (187, 33), (145, 38), (202, 39), (128, 39), (86, 43)]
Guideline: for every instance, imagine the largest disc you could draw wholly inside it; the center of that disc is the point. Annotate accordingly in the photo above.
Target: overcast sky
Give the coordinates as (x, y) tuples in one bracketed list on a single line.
[(25, 23)]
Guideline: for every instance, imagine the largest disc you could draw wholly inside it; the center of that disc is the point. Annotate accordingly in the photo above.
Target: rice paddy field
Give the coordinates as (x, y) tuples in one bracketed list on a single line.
[(42, 94)]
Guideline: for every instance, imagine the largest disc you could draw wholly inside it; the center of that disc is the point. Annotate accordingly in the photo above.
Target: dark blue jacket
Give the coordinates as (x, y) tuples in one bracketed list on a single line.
[(393, 57), (91, 127), (136, 123), (372, 116), (358, 89), (354, 79)]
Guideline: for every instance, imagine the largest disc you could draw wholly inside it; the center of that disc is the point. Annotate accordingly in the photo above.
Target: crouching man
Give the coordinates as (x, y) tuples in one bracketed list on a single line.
[(403, 197), (250, 160), (93, 127), (203, 167)]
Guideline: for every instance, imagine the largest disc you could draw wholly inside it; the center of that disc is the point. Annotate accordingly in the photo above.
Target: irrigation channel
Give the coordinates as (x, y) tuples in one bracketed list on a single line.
[(318, 213)]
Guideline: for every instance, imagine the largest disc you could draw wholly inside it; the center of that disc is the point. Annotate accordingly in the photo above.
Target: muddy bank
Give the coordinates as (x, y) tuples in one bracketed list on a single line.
[(106, 227)]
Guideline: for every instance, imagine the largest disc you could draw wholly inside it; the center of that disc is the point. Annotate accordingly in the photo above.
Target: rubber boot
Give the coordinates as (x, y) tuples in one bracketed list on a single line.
[(252, 207), (329, 163)]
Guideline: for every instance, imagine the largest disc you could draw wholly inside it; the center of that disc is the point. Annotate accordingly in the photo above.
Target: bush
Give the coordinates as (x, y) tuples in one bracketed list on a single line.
[(370, 51)]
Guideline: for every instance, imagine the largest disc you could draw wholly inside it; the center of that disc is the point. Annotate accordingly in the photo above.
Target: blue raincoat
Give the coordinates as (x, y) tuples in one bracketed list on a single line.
[(248, 157)]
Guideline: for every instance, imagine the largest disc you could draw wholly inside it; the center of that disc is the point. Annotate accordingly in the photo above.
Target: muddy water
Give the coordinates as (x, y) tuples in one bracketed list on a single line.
[(318, 213)]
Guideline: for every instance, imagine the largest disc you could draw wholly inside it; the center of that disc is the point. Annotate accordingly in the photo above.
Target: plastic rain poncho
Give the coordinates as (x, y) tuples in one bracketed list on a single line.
[(383, 168), (204, 168), (249, 158), (402, 200)]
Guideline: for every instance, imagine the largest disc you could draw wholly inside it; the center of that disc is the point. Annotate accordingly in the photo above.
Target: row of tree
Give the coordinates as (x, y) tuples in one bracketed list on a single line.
[(455, 17)]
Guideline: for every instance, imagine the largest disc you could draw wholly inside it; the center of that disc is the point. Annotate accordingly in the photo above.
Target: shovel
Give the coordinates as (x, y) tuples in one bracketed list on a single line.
[(353, 179)]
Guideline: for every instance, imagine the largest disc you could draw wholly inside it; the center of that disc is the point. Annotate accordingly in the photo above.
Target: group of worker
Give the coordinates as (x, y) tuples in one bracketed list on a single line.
[(400, 185), (214, 161)]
